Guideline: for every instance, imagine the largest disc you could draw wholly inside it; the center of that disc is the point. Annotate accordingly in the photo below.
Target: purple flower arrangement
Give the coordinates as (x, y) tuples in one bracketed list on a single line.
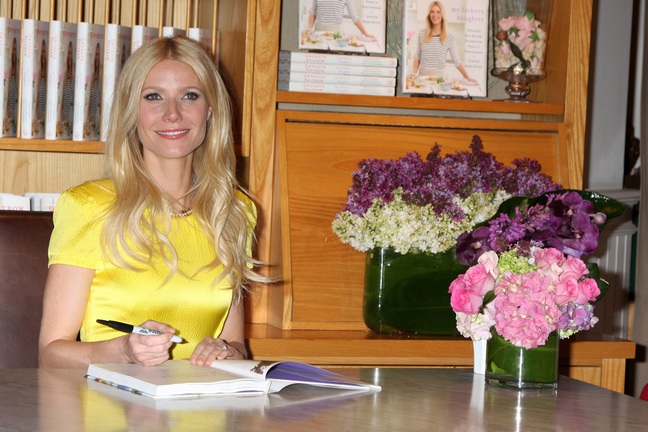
[(422, 205)]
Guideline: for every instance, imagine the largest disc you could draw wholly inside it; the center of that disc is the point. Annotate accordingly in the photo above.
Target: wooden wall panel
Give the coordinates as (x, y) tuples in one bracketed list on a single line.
[(26, 171), (324, 278)]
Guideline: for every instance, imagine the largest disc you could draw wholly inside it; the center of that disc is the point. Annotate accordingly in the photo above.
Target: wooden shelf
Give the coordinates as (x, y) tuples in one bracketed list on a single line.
[(597, 359), (66, 146), (423, 103)]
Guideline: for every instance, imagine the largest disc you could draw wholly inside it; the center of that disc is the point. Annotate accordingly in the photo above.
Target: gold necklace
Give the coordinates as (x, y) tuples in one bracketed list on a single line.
[(182, 213)]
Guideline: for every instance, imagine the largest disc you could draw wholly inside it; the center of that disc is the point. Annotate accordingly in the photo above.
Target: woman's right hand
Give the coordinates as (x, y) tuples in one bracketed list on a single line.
[(148, 350)]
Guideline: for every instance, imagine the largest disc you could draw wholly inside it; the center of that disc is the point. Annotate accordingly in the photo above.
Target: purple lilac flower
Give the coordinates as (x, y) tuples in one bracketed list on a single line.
[(379, 178), (438, 180), (505, 231), (526, 179)]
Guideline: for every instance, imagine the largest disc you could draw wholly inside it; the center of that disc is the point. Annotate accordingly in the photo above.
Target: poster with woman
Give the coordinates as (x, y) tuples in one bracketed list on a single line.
[(445, 47), (355, 26)]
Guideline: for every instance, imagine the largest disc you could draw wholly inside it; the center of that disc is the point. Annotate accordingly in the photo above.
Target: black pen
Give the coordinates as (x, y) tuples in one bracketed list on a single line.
[(129, 328)]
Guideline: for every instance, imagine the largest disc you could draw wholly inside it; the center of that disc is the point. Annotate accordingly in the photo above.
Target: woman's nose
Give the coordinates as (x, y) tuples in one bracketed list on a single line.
[(172, 112)]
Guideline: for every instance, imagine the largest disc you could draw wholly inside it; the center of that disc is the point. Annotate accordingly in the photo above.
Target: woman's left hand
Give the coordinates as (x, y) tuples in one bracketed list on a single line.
[(212, 349)]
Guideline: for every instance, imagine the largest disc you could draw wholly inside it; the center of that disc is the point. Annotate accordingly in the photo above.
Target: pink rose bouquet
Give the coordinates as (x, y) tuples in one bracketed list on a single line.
[(520, 41)]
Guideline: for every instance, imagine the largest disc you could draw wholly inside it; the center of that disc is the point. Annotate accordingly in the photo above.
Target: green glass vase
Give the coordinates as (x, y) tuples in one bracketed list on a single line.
[(516, 367), (408, 294)]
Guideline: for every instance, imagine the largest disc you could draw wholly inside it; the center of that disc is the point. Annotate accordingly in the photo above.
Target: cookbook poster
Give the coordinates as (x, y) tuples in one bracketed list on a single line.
[(456, 67), (353, 26)]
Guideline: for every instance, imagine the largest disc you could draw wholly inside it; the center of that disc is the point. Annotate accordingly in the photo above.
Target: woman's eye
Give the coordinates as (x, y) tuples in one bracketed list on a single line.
[(152, 96), (192, 95)]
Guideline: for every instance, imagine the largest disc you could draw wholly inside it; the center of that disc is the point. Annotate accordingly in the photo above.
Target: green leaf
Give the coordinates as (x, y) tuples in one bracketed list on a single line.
[(518, 53), (489, 297)]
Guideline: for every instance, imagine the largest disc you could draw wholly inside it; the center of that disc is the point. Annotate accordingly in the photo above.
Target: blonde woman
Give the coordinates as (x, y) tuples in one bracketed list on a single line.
[(164, 240), (434, 44)]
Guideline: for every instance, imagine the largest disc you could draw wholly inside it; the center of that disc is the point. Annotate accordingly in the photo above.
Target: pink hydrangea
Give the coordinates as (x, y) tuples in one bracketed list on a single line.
[(525, 311)]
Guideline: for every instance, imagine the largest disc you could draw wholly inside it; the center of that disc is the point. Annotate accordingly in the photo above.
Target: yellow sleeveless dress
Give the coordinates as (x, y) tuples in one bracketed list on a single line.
[(188, 302)]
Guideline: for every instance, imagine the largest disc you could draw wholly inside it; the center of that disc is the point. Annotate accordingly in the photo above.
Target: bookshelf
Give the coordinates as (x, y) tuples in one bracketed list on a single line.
[(304, 148), (40, 165)]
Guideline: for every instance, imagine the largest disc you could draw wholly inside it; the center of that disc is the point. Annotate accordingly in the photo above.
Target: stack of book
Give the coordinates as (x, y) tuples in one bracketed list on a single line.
[(337, 73), (30, 201)]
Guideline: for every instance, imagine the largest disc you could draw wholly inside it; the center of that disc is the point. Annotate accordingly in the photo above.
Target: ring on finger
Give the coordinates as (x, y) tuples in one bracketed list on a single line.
[(224, 347)]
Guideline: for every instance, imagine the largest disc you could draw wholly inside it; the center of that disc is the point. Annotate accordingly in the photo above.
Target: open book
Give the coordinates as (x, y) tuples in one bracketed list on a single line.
[(180, 378), (294, 403)]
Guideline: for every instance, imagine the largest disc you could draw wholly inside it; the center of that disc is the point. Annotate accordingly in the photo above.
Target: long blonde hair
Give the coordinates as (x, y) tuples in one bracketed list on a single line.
[(444, 31), (141, 206)]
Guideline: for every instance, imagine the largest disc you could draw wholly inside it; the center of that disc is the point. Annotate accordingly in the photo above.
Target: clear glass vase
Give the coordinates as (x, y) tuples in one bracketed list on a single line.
[(516, 367), (408, 294), (521, 31)]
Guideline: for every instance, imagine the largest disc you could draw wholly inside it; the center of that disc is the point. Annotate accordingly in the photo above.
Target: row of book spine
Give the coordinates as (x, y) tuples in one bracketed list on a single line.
[(29, 201), (337, 73), (58, 78)]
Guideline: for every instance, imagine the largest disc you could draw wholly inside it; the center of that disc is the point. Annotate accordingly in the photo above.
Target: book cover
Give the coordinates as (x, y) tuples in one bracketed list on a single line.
[(176, 378), (347, 26), (142, 34), (33, 78), (445, 47), (288, 76), (336, 88), (168, 31), (117, 50), (60, 80), (87, 82), (14, 202), (9, 70), (337, 69), (204, 36), (339, 59)]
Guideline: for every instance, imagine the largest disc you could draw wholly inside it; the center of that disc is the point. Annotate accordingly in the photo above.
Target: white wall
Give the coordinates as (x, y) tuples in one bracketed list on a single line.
[(611, 39)]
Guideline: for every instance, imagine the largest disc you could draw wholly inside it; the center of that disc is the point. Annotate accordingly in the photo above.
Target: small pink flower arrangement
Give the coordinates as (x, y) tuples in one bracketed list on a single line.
[(525, 298), (520, 41)]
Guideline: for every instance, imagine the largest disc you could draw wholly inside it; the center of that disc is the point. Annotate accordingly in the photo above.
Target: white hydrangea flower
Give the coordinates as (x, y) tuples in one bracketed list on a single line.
[(406, 227)]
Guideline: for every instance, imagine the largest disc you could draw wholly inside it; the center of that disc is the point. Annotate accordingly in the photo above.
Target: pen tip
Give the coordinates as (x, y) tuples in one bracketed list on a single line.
[(104, 322)]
